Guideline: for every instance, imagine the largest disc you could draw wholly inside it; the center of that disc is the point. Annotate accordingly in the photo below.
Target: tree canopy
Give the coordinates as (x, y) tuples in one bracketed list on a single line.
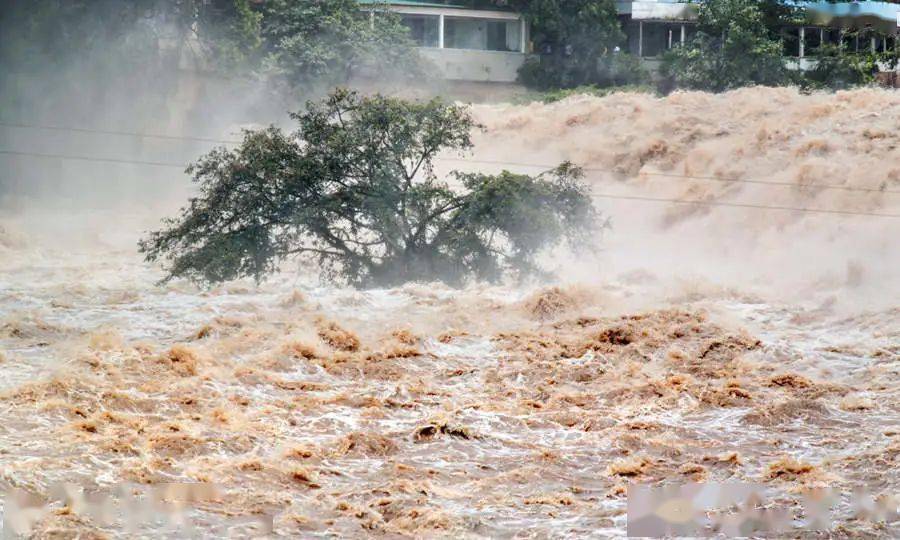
[(736, 45), (353, 189)]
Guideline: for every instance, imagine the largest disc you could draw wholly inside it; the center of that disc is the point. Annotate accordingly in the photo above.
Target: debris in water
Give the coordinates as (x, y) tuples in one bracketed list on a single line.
[(439, 427), (561, 499), (105, 340), (694, 471), (730, 458)]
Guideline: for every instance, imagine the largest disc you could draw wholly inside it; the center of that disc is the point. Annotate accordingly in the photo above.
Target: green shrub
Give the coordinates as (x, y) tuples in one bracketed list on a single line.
[(540, 75), (837, 68), (732, 48)]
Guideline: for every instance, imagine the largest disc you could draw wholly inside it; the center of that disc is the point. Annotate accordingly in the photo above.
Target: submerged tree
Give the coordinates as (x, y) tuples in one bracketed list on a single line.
[(353, 188)]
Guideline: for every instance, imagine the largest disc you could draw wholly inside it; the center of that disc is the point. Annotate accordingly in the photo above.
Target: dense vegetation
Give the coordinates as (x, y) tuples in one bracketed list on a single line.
[(741, 43), (733, 47), (836, 68), (738, 43), (354, 190)]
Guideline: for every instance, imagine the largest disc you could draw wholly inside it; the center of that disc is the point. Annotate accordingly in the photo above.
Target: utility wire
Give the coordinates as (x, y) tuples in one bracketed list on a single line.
[(545, 166), (599, 195), (120, 133), (743, 205), (688, 176), (98, 159)]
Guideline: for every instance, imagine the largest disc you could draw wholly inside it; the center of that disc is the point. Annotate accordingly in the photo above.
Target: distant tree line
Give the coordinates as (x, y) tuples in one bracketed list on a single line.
[(737, 43), (740, 43)]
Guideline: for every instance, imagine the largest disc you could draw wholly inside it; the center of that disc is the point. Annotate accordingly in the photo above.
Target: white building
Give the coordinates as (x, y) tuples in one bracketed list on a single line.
[(466, 44)]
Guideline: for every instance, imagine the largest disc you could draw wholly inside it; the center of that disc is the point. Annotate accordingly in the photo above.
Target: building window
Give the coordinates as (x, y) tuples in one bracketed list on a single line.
[(423, 29), (496, 36), (656, 39), (813, 41), (652, 39), (481, 34)]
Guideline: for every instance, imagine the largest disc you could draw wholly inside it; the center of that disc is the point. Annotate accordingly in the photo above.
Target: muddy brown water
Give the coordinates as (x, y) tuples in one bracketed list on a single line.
[(424, 411)]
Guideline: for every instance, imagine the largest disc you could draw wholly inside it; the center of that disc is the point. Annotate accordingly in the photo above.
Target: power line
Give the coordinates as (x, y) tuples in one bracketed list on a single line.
[(120, 133), (742, 205), (770, 182), (599, 195), (545, 166), (687, 176), (98, 159)]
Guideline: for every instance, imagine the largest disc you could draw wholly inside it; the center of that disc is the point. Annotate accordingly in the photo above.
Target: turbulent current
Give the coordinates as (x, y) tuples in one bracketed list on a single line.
[(722, 342)]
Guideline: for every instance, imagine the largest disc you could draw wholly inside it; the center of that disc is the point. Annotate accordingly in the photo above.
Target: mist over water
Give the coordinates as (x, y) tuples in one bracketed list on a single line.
[(699, 142)]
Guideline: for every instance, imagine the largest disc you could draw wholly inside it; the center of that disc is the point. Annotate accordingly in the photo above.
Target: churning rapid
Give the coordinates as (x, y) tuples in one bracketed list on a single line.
[(737, 340)]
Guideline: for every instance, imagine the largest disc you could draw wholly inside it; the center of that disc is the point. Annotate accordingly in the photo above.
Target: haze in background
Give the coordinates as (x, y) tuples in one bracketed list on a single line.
[(756, 146)]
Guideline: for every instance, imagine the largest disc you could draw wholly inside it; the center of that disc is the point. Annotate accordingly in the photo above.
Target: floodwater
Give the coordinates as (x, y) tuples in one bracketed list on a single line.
[(698, 345)]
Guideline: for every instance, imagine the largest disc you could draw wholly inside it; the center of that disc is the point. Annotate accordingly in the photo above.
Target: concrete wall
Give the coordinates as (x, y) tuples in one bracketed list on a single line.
[(473, 65)]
